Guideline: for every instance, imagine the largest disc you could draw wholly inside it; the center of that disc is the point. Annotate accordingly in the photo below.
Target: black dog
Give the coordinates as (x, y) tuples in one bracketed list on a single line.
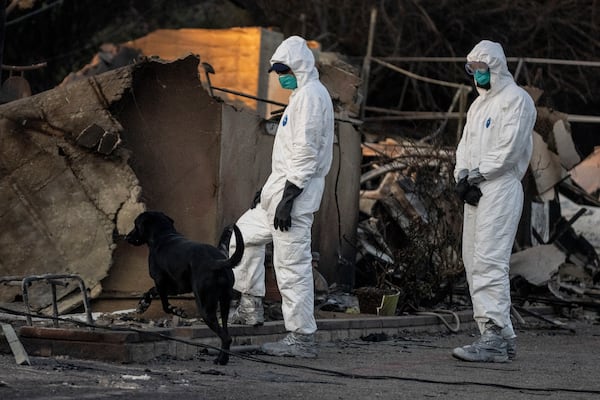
[(179, 265)]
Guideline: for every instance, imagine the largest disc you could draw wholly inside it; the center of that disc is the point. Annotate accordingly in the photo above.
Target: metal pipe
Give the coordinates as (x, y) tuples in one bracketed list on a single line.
[(248, 96), (533, 60), (54, 306)]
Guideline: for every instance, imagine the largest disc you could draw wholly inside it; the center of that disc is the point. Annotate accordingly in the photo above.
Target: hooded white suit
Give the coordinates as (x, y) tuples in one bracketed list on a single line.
[(497, 139), (302, 154)]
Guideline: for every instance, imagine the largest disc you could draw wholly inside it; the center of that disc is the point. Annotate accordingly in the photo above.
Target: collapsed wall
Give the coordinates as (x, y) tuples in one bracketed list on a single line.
[(65, 188)]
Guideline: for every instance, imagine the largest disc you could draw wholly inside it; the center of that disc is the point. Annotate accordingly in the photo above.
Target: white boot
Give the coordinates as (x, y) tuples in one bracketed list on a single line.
[(490, 347), (249, 312), (293, 345)]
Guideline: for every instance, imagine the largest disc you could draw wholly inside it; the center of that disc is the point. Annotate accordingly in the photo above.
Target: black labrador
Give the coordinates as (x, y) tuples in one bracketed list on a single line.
[(178, 265)]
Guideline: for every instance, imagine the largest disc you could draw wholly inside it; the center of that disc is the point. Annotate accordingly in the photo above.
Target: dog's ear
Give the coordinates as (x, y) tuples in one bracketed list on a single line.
[(162, 216)]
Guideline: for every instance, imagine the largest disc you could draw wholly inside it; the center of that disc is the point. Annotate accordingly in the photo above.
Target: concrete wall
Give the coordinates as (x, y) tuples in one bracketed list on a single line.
[(245, 162), (172, 129)]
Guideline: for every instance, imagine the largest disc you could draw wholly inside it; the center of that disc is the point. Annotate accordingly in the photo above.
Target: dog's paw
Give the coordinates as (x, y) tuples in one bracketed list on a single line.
[(180, 312), (222, 359), (142, 307)]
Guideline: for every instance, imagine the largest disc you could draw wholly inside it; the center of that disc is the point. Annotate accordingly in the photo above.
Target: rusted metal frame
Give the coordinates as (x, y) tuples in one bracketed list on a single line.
[(53, 280)]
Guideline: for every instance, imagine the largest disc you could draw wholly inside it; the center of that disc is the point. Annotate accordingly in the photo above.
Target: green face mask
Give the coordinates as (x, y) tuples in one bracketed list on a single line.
[(482, 78), (288, 81)]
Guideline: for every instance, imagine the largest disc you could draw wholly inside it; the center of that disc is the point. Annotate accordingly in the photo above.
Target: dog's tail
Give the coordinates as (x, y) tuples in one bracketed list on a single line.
[(236, 257)]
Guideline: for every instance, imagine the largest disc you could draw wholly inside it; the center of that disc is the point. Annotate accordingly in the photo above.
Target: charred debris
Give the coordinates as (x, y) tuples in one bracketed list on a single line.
[(410, 226)]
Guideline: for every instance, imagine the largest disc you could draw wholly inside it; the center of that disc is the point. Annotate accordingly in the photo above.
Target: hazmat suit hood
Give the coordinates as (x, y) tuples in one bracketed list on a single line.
[(294, 53), (492, 54), (303, 147)]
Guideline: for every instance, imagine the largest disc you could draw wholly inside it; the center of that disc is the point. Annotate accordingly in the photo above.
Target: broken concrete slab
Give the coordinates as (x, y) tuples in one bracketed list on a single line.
[(21, 356), (58, 208), (537, 264), (565, 146), (546, 168), (587, 173)]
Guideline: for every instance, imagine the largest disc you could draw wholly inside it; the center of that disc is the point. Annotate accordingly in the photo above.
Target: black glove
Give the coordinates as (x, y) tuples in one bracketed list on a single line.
[(473, 195), (256, 199), (461, 188), (283, 217), (469, 194)]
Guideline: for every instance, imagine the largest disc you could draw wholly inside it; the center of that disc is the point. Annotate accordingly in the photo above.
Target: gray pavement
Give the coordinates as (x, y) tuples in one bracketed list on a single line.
[(552, 363)]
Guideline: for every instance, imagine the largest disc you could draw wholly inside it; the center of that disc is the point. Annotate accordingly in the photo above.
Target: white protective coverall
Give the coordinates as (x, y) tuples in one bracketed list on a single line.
[(497, 139), (302, 154)]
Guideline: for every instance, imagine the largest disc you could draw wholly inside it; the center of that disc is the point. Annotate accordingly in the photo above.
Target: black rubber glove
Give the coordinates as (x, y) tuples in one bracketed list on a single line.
[(283, 217), (256, 199), (461, 188), (469, 194), (473, 195)]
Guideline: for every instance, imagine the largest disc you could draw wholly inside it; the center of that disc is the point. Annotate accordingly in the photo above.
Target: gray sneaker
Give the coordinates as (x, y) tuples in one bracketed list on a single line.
[(511, 348), (293, 345), (490, 347), (249, 312)]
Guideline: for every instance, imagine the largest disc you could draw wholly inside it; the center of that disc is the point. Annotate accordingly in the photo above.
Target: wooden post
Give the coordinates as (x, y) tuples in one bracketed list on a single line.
[(366, 69)]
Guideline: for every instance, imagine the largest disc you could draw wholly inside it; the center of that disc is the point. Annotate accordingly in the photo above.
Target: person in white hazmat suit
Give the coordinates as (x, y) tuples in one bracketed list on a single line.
[(283, 209), (491, 159)]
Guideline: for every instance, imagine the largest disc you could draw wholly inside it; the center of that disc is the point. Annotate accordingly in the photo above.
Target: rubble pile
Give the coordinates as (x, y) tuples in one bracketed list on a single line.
[(409, 234)]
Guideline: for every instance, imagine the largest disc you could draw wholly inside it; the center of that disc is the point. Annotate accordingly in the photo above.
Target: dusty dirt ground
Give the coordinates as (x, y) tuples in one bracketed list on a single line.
[(552, 362)]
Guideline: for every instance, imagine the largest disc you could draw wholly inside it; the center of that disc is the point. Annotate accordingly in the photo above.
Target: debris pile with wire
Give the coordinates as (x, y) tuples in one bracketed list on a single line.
[(409, 233)]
